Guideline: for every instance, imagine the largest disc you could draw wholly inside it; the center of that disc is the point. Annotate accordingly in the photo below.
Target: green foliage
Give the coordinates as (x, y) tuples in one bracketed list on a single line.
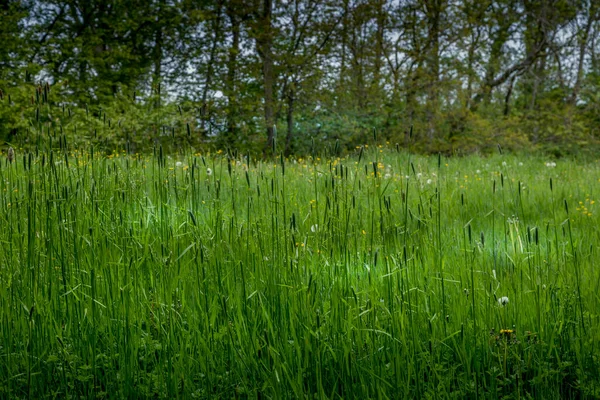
[(38, 117), (35, 115), (14, 43), (14, 112)]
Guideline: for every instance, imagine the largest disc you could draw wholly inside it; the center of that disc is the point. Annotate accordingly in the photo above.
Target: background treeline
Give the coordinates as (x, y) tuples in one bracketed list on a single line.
[(468, 75)]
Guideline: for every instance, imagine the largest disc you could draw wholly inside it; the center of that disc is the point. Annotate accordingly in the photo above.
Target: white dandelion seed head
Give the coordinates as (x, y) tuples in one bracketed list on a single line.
[(178, 164), (208, 171), (550, 164), (478, 171), (503, 300), (429, 181), (520, 164), (387, 176), (504, 163)]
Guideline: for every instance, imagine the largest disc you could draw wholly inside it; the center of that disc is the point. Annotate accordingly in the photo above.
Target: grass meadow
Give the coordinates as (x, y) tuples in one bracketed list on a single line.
[(377, 275)]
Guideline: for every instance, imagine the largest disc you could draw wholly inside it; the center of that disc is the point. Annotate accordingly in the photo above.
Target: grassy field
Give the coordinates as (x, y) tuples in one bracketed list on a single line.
[(377, 275)]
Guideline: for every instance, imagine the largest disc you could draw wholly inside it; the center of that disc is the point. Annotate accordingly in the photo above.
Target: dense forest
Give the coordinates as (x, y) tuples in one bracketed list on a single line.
[(451, 76)]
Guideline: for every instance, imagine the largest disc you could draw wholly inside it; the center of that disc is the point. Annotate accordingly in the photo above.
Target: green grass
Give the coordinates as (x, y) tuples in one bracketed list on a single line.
[(373, 276)]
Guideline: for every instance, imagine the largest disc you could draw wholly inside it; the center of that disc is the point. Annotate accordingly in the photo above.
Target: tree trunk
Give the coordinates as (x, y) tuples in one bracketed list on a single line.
[(232, 103), (157, 56), (583, 41), (210, 67), (264, 43), (412, 75), (508, 96), (379, 41), (475, 36), (538, 73), (344, 49), (290, 119), (500, 37), (434, 11)]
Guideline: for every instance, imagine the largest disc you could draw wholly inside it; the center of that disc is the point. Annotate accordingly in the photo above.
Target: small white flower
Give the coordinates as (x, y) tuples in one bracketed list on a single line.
[(504, 163), (503, 300), (178, 164), (429, 181), (419, 175), (387, 176), (478, 171), (314, 228), (520, 164), (208, 171), (550, 164)]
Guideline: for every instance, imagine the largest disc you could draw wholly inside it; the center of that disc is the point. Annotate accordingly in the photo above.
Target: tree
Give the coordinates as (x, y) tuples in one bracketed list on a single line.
[(263, 32)]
